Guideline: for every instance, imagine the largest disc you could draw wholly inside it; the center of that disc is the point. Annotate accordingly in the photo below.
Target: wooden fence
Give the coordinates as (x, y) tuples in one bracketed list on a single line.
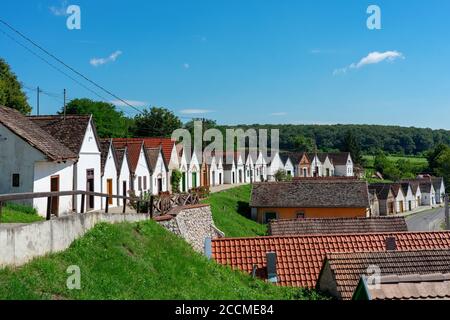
[(154, 206)]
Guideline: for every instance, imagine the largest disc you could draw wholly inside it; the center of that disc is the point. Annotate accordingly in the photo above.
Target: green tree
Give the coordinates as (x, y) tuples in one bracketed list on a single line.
[(352, 145), (156, 122), (110, 122), (11, 94), (439, 162), (175, 180), (281, 175), (305, 144)]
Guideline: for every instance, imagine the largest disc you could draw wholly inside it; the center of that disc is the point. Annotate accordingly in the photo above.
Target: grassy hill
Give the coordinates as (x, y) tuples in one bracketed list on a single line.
[(231, 213), (135, 261)]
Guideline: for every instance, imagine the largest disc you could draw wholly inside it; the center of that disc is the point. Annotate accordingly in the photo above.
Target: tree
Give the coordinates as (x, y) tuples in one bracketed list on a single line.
[(11, 94), (110, 123), (352, 145), (281, 175), (156, 122), (175, 180), (439, 162), (305, 144)]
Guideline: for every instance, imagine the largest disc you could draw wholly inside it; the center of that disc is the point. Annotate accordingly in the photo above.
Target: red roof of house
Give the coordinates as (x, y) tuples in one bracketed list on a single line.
[(300, 258), (133, 151), (166, 144)]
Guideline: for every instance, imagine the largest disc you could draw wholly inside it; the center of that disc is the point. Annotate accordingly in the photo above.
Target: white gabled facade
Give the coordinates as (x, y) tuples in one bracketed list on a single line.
[(249, 169), (123, 176), (345, 170), (87, 171), (240, 168), (184, 169), (219, 171), (289, 167), (316, 167), (274, 165), (193, 177), (141, 178), (109, 177), (260, 168), (410, 199), (159, 175), (327, 167)]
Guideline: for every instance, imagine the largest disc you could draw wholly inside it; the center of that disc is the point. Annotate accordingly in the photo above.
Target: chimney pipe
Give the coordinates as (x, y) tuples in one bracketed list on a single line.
[(391, 244), (208, 247), (272, 267)]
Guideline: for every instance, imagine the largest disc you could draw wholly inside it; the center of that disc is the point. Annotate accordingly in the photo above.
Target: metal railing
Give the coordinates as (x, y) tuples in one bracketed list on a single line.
[(154, 206)]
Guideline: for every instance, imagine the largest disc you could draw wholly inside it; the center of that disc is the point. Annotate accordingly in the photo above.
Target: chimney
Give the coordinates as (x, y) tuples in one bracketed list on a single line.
[(272, 267), (208, 247), (391, 244)]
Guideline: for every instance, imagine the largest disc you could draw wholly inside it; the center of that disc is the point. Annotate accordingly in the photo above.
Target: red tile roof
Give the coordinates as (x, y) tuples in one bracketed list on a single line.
[(166, 144), (133, 151), (300, 258)]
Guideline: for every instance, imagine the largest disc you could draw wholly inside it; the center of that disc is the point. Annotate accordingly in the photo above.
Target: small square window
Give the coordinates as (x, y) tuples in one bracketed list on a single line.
[(269, 216), (16, 180)]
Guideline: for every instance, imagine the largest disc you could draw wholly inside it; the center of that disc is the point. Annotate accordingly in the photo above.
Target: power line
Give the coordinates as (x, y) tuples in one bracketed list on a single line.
[(67, 66), (51, 65)]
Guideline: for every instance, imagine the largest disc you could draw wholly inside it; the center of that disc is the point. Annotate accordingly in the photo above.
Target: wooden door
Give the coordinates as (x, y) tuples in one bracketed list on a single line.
[(183, 182), (109, 188), (54, 187), (90, 188)]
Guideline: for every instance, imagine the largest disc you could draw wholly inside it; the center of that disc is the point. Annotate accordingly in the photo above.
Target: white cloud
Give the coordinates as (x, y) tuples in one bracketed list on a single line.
[(279, 114), (186, 65), (134, 103), (372, 58), (60, 10), (101, 61), (195, 111)]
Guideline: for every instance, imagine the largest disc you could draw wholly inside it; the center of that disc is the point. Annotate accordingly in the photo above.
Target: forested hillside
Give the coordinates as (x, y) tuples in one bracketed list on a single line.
[(372, 138)]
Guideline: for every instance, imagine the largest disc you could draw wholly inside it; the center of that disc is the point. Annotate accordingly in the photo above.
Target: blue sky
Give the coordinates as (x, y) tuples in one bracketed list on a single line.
[(247, 61)]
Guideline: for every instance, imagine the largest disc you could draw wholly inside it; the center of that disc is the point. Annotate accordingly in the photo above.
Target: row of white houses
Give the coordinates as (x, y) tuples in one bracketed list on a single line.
[(64, 153), (406, 195)]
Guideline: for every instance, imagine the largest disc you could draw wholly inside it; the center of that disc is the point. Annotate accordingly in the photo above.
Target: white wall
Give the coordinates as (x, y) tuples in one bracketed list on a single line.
[(124, 175), (89, 158), (17, 156), (142, 171), (43, 171), (110, 172), (159, 172)]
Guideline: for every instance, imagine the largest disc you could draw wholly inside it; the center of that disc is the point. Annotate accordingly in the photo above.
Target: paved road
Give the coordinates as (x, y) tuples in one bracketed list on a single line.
[(429, 220)]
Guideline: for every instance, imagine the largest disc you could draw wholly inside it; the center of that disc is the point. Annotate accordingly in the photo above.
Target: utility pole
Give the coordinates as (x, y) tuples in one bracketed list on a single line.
[(64, 104), (38, 92), (447, 210)]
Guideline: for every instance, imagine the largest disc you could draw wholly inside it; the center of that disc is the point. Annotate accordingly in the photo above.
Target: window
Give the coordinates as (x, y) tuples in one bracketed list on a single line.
[(140, 183), (145, 183), (16, 180), (289, 172), (301, 215), (269, 216)]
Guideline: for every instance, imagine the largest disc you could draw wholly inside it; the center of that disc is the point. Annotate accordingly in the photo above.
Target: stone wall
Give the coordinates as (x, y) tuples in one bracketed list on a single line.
[(21, 243), (193, 223)]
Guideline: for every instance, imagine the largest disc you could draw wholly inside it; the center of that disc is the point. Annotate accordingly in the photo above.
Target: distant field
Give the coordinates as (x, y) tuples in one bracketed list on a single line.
[(413, 160)]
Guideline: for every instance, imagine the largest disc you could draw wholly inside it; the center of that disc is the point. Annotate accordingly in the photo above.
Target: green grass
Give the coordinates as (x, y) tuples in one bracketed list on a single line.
[(136, 261), (16, 213), (414, 160), (231, 213)]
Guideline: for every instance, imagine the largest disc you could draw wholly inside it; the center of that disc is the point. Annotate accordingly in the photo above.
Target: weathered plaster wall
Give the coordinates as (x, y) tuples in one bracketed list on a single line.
[(20, 244)]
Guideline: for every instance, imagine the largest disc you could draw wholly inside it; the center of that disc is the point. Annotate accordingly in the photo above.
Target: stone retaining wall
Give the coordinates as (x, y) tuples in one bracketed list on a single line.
[(193, 223)]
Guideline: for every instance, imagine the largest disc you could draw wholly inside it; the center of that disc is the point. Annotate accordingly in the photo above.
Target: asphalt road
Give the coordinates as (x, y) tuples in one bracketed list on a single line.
[(429, 220)]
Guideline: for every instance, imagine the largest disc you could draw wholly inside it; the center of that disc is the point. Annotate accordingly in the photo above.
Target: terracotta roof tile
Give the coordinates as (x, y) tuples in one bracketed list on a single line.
[(69, 130), (133, 152), (347, 268), (309, 251), (336, 225), (311, 194)]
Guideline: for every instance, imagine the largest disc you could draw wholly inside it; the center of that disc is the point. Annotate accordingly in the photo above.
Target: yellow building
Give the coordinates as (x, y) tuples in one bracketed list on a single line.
[(317, 198)]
